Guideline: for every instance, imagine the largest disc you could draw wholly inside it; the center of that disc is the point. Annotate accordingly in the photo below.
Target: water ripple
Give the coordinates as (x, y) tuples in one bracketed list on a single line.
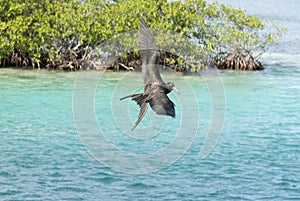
[(257, 157)]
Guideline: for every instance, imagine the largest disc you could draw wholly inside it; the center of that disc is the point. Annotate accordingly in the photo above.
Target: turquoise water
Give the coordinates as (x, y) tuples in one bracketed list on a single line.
[(256, 158)]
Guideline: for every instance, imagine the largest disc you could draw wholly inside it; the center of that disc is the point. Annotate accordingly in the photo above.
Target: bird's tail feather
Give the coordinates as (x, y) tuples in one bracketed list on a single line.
[(139, 98), (127, 97)]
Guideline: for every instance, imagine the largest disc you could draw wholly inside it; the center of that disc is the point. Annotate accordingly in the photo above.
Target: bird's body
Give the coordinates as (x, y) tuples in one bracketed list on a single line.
[(155, 89)]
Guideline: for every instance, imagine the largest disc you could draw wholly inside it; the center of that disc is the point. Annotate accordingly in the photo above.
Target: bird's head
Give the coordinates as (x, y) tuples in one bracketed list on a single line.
[(171, 86)]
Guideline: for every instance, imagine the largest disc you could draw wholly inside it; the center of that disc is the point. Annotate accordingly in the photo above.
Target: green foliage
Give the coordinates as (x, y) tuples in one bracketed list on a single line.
[(62, 33), (231, 31)]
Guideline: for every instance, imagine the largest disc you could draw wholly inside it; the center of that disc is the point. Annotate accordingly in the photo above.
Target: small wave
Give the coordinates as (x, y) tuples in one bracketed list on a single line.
[(281, 59)]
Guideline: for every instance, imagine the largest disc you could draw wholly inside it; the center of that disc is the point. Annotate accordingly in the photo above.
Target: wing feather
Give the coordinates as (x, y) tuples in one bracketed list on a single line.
[(162, 105), (150, 54)]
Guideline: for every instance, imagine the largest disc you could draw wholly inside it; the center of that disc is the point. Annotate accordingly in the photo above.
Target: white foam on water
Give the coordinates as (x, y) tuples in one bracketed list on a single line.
[(286, 59)]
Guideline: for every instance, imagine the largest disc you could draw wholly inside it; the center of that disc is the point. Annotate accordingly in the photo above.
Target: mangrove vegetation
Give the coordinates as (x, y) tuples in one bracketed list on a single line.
[(64, 34)]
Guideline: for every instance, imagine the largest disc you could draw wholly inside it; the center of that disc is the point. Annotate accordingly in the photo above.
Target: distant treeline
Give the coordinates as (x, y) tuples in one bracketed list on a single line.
[(63, 34)]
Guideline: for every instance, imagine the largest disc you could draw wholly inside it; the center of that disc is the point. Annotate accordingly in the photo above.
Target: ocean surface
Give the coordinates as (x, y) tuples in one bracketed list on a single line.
[(46, 154)]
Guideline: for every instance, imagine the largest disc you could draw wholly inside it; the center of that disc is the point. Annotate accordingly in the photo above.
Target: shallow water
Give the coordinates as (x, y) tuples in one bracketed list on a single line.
[(257, 155)]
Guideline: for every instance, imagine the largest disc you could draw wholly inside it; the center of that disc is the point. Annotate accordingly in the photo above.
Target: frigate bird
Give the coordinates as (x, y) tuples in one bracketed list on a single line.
[(155, 89)]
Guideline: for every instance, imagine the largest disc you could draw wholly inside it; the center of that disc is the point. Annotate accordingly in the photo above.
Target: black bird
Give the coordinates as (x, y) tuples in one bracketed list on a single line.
[(155, 89)]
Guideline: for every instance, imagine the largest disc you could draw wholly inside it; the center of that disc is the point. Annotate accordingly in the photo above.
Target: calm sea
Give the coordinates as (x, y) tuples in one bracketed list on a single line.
[(256, 157)]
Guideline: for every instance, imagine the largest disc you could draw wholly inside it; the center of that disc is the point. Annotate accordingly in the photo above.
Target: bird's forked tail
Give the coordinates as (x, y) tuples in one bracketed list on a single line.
[(138, 98)]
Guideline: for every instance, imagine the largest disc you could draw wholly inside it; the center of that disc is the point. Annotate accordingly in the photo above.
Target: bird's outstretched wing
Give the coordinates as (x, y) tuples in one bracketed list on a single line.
[(162, 105), (150, 54)]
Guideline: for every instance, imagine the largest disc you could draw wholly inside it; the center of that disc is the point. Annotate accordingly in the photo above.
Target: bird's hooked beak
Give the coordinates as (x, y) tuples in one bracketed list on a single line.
[(174, 88)]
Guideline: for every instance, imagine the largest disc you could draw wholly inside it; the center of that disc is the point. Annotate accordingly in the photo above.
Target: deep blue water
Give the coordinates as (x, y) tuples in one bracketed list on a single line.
[(256, 158)]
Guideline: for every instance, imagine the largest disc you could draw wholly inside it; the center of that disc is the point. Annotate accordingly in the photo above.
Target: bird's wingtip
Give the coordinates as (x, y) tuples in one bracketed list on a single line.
[(142, 18)]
